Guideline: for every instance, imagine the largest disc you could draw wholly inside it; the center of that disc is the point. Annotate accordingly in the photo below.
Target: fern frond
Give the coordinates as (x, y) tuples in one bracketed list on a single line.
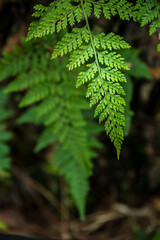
[(75, 175), (109, 8), (148, 12), (96, 51), (60, 13), (80, 56), (112, 60), (30, 116), (145, 9), (71, 41), (47, 106), (45, 139), (104, 77), (50, 88), (54, 18), (87, 75), (20, 61), (29, 80), (110, 41), (11, 65), (5, 159)]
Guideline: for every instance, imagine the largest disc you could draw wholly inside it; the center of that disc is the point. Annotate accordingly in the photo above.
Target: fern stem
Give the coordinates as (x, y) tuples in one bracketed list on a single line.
[(91, 38)]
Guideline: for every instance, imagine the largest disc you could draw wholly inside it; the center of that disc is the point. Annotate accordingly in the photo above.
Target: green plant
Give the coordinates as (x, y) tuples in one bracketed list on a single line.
[(97, 51), (101, 62), (4, 135), (148, 12), (55, 103)]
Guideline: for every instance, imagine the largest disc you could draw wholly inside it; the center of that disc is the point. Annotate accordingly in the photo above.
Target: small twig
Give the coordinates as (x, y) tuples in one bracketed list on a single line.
[(118, 211)]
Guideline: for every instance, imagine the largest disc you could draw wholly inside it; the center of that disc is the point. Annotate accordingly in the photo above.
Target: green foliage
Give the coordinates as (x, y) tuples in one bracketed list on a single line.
[(4, 135), (102, 62), (138, 70), (54, 102), (104, 66), (75, 174), (111, 8), (148, 12), (60, 13), (103, 73)]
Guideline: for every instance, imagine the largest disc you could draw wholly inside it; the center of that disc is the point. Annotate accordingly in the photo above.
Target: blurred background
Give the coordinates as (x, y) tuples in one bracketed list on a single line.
[(124, 199)]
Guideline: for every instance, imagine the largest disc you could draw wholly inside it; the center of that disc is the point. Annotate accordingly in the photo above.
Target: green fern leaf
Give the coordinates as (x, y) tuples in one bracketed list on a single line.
[(58, 106), (75, 175), (71, 41), (109, 41), (148, 12), (80, 56), (54, 18), (45, 139), (103, 75), (5, 136), (29, 116)]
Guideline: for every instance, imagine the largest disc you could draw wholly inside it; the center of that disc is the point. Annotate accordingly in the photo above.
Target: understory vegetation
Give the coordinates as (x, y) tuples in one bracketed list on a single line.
[(70, 91)]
